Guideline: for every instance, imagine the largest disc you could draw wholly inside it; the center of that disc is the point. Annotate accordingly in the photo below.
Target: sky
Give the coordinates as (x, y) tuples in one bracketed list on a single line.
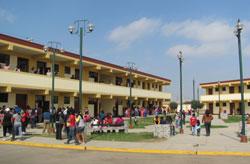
[(149, 33)]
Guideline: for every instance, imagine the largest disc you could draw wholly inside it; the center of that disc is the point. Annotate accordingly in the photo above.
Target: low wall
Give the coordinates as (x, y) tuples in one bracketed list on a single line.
[(162, 131)]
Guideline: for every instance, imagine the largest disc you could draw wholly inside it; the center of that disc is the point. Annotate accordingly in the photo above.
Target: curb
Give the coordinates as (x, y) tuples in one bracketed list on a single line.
[(125, 150)]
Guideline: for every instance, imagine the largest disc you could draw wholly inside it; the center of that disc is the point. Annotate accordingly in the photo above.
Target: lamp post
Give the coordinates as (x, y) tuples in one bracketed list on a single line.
[(219, 92), (131, 67), (237, 31), (193, 89), (81, 27), (54, 47), (180, 57)]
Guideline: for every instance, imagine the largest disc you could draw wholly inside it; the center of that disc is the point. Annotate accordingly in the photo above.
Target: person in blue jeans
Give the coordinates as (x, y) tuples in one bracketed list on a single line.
[(17, 125)]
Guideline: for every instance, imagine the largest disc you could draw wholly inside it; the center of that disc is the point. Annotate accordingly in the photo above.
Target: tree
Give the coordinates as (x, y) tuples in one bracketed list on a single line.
[(173, 106), (196, 105)]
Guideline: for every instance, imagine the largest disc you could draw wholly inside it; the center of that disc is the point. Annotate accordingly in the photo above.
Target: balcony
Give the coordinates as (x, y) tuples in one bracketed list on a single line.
[(42, 82), (224, 97)]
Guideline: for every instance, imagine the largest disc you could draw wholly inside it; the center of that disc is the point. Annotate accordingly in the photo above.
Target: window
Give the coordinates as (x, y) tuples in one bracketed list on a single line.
[(3, 97), (224, 104), (139, 83), (231, 89), (55, 99), (67, 70), (216, 89), (66, 100), (224, 89), (210, 91), (248, 103), (5, 59), (156, 86), (148, 85), (118, 80), (239, 89), (248, 86), (93, 75), (153, 86), (56, 69), (23, 64), (217, 104)]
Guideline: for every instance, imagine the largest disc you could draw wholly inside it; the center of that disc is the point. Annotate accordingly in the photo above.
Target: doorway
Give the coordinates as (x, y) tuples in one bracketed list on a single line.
[(76, 103), (41, 67), (21, 100), (211, 108), (23, 64), (232, 108)]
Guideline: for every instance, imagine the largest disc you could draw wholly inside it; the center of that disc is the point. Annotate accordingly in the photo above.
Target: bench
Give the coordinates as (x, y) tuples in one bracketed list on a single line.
[(106, 128)]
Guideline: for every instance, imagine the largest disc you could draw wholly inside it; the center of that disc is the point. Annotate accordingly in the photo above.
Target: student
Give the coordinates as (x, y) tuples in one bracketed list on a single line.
[(119, 121), (193, 122), (46, 121), (207, 119), (17, 125), (72, 125), (198, 127), (80, 125), (59, 118), (7, 124), (157, 120)]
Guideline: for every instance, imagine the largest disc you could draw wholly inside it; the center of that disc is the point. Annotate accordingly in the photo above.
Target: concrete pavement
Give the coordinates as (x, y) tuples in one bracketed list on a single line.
[(221, 140), (27, 155)]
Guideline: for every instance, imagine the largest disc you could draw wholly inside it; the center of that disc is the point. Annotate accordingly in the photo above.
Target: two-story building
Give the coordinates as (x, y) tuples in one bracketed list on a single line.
[(225, 95), (105, 85)]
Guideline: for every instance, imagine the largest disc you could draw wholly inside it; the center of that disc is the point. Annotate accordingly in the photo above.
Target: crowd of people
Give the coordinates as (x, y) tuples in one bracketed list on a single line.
[(14, 121)]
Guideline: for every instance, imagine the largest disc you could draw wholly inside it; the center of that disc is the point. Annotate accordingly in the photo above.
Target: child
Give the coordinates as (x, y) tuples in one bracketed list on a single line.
[(198, 127), (193, 122)]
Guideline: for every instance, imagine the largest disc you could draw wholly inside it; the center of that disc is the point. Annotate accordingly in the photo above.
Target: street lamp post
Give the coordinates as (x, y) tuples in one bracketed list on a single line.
[(180, 57), (77, 28), (219, 92), (131, 67), (238, 30), (193, 89), (54, 47)]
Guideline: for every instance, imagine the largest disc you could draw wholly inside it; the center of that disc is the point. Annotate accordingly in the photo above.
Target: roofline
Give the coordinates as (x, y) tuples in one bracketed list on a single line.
[(70, 54), (225, 81)]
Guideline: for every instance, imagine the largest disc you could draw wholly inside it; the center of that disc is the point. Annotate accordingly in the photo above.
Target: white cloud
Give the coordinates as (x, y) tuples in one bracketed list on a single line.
[(204, 37), (124, 36), (246, 51), (208, 49), (6, 16)]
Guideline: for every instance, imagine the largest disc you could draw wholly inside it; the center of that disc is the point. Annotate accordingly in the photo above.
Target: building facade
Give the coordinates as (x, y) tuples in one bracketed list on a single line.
[(225, 95), (24, 80)]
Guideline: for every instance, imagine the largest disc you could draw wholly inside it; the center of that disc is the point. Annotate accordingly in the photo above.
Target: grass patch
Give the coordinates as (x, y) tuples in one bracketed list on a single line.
[(130, 137), (233, 119), (142, 122), (212, 126)]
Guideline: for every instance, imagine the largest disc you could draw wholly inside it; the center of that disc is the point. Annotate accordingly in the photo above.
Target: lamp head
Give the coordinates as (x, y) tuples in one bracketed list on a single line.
[(71, 29), (90, 27), (239, 25), (45, 48), (61, 50)]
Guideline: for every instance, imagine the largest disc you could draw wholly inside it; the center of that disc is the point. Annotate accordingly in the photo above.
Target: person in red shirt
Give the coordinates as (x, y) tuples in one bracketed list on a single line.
[(25, 121), (72, 126), (193, 121)]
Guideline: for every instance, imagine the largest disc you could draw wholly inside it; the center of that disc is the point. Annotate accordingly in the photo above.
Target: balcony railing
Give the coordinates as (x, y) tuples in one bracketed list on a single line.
[(224, 97), (43, 82)]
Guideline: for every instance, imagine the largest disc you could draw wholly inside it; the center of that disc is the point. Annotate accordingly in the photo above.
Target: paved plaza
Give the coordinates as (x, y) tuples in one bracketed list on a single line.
[(221, 140)]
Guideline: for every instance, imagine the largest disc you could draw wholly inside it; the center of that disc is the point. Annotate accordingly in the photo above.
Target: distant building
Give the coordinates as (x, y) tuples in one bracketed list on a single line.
[(229, 96)]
